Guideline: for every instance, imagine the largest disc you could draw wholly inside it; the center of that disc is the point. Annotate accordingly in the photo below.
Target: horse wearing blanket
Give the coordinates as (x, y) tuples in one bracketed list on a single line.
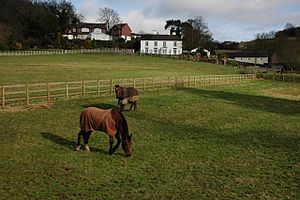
[(127, 95), (109, 121)]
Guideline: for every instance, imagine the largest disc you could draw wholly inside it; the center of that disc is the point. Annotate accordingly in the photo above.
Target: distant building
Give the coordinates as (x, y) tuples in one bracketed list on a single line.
[(98, 31), (161, 44), (255, 58), (85, 31), (121, 31)]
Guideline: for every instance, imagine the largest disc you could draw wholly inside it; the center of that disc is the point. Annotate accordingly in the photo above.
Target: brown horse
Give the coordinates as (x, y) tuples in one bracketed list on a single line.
[(109, 121), (127, 95)]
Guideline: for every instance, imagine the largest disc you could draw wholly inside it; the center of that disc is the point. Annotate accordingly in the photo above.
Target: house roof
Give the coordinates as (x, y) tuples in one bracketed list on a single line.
[(160, 37), (247, 54), (120, 26)]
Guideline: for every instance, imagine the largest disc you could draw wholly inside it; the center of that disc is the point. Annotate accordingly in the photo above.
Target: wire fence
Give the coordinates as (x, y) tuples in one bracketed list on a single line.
[(292, 77), (38, 92)]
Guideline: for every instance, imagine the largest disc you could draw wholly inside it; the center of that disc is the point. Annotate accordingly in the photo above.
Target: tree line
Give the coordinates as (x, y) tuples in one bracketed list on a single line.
[(282, 46), (29, 23)]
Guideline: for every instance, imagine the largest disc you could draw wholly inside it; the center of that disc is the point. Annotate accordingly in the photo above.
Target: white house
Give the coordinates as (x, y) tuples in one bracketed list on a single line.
[(161, 44)]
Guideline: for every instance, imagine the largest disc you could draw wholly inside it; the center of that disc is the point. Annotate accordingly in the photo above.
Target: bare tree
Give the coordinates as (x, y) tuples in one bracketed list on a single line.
[(108, 16)]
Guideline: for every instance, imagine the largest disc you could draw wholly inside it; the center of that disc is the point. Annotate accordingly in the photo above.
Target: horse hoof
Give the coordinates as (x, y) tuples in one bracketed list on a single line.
[(87, 148), (77, 148)]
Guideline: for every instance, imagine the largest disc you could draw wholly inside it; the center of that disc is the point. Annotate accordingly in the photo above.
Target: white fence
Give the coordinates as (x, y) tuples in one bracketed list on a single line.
[(37, 92), (62, 51)]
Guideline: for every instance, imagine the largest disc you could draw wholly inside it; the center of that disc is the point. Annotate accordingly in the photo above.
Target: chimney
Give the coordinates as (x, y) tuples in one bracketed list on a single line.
[(155, 32)]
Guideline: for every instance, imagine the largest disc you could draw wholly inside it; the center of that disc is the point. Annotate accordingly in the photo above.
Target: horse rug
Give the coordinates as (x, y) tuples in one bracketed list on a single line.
[(127, 92), (129, 99), (92, 119)]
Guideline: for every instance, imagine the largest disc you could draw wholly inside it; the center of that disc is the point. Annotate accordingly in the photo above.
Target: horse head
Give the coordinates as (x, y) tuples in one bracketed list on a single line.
[(119, 92), (128, 146)]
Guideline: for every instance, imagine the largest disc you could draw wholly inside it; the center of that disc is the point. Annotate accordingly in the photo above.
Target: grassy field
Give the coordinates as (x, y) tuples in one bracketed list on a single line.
[(238, 141), (37, 69), (219, 142)]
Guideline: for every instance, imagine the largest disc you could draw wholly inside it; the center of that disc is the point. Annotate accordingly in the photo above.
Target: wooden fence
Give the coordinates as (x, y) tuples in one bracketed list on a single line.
[(63, 51), (37, 92)]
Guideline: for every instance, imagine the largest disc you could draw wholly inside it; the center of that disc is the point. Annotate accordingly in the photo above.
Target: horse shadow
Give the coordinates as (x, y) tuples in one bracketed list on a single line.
[(103, 106), (68, 143)]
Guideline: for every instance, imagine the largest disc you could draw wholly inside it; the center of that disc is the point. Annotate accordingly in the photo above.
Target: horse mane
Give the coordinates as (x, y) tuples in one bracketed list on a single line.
[(124, 122)]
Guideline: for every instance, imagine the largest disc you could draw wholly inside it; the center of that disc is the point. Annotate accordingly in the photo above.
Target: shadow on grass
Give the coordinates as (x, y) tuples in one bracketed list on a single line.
[(264, 103), (249, 139), (68, 143), (104, 106)]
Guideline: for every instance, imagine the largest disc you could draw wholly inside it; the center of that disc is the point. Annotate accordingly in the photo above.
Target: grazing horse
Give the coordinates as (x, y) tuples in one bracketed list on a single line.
[(127, 95), (109, 121)]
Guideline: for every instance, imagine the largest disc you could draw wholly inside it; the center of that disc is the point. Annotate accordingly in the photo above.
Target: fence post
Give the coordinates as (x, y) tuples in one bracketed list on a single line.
[(83, 88), (98, 88), (134, 82), (27, 93), (294, 77), (67, 90), (111, 86), (144, 84), (152, 83), (48, 92), (3, 96)]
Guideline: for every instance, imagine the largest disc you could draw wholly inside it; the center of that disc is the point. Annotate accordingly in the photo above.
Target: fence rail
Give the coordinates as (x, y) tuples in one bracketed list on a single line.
[(31, 93), (63, 51)]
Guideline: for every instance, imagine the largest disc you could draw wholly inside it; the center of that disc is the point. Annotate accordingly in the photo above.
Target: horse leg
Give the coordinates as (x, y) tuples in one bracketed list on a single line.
[(135, 105), (86, 137), (131, 106), (122, 107), (80, 134), (111, 148), (111, 142)]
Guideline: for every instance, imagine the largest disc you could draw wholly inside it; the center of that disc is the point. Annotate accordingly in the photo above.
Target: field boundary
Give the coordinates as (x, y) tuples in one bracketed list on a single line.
[(279, 77), (65, 51), (31, 93)]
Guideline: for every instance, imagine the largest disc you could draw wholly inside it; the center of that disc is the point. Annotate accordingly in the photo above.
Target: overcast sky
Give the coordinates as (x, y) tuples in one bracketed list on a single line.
[(233, 20)]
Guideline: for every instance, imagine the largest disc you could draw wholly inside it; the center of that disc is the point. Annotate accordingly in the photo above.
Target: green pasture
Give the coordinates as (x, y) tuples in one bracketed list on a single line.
[(237, 141), (77, 67)]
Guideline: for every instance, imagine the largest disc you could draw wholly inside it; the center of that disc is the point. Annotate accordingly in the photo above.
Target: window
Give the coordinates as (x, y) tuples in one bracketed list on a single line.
[(85, 30), (175, 43), (174, 51), (146, 50), (155, 50), (155, 43), (164, 44), (146, 43)]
